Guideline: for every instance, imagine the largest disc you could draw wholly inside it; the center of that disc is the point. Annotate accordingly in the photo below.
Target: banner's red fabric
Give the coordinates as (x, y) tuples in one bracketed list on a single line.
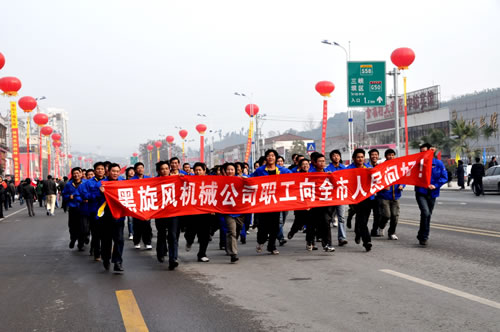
[(170, 196)]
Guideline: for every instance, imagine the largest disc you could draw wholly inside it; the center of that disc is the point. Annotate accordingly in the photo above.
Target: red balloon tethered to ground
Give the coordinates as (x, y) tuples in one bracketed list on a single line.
[(150, 147), (27, 104), (170, 139), (135, 154), (252, 109), (183, 133), (402, 57), (10, 85), (70, 156), (46, 131), (56, 137), (41, 119), (201, 128), (2, 60), (324, 88), (158, 144)]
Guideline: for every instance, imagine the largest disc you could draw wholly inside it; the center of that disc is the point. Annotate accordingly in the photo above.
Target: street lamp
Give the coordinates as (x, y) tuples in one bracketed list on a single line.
[(349, 111)]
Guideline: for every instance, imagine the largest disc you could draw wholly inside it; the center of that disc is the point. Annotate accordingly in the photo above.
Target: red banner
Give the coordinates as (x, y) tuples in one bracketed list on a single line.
[(170, 196), (15, 142)]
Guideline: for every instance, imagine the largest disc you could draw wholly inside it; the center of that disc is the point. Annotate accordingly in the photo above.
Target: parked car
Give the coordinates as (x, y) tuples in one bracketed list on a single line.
[(491, 180)]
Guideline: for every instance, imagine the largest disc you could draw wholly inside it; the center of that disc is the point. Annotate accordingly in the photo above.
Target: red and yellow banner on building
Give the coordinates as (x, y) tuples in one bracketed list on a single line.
[(170, 196), (15, 142)]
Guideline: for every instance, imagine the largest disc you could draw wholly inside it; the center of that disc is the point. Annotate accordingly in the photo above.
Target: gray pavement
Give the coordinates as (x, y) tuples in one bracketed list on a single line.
[(48, 287)]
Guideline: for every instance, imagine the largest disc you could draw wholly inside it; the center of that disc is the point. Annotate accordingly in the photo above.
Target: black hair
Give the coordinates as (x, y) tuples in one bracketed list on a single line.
[(27, 181), (478, 159), (99, 163), (261, 160), (373, 150), (174, 158), (112, 165), (271, 151), (200, 164), (89, 170), (49, 177), (460, 162), (74, 169), (355, 153), (335, 152), (186, 164), (426, 145), (160, 164), (316, 156), (65, 178), (302, 161), (278, 157), (294, 155), (128, 170), (107, 165), (389, 151), (226, 165), (137, 164)]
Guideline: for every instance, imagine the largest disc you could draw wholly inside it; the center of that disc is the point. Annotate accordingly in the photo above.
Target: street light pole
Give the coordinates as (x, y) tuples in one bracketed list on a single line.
[(395, 73), (350, 120)]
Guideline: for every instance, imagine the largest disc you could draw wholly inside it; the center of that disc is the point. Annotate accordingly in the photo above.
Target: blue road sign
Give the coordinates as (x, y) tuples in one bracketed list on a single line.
[(311, 147)]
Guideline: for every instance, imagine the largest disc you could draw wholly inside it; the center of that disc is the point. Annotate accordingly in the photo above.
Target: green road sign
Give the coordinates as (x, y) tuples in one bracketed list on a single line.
[(366, 83), (133, 160)]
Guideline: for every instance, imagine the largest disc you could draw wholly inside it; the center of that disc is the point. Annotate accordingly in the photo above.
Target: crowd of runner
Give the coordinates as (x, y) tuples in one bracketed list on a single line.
[(91, 223)]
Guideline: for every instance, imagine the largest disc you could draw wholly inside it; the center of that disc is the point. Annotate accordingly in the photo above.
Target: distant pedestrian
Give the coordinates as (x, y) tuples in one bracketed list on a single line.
[(477, 173), (50, 191), (29, 194), (493, 162), (461, 175)]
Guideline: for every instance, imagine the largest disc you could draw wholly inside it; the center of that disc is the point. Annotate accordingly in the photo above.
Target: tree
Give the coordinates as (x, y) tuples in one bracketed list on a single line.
[(463, 134), (436, 137), (298, 147)]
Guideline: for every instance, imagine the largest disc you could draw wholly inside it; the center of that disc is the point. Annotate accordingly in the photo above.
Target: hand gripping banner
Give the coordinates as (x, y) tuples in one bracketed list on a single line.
[(170, 196)]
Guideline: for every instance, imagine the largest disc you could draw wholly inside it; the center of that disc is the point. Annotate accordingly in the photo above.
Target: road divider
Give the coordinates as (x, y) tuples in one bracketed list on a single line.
[(131, 314), (459, 229)]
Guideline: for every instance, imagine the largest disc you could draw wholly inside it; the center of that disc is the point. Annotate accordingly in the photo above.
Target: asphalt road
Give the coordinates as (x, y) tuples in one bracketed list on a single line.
[(450, 285)]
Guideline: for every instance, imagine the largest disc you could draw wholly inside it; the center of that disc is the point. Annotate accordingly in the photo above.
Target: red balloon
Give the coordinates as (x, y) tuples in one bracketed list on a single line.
[(56, 137), (70, 156), (28, 104), (324, 88), (150, 147), (135, 154), (201, 129), (402, 57), (170, 139), (10, 85), (183, 133), (252, 109), (46, 131), (158, 144), (41, 119), (2, 60), (80, 158)]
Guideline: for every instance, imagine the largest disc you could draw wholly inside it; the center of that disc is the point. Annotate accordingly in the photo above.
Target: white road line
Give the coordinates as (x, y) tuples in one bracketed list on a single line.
[(465, 295), (13, 213)]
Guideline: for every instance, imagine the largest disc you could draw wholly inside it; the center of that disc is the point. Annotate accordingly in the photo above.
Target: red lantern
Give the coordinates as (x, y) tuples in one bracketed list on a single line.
[(41, 119), (80, 158), (2, 60), (27, 104), (201, 129), (56, 137), (63, 155), (46, 131), (56, 143), (150, 147), (402, 57), (10, 85), (70, 156), (252, 109), (135, 154), (183, 133), (158, 144), (170, 139), (324, 88)]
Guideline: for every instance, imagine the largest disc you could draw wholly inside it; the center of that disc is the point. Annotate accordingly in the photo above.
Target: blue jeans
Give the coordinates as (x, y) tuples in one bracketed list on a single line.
[(426, 205), (283, 216), (130, 225), (339, 210)]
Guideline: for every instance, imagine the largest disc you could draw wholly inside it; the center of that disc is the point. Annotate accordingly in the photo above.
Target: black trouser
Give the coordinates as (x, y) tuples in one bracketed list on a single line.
[(269, 226), (198, 225), (77, 227), (41, 198), (172, 226), (375, 207), (1, 209), (321, 216), (142, 230), (301, 217), (362, 210), (112, 234), (29, 205), (478, 184), (6, 202), (95, 243)]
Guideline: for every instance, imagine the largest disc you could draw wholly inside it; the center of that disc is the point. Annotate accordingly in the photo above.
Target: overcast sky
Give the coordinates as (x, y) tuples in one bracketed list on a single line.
[(128, 71)]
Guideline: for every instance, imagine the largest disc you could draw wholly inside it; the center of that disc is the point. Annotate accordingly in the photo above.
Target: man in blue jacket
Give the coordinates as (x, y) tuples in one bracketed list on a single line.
[(426, 197), (339, 210), (389, 203), (269, 223), (76, 222), (92, 200)]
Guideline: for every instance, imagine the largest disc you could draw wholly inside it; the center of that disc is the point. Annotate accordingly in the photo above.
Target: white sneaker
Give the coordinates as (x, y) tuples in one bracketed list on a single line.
[(275, 252), (131, 237), (149, 247), (137, 246), (329, 249), (393, 237), (204, 259), (188, 247), (259, 248), (309, 247)]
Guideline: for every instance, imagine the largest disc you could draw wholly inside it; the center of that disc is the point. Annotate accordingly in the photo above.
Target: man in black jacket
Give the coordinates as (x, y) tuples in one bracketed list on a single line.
[(50, 191), (2, 196), (477, 173)]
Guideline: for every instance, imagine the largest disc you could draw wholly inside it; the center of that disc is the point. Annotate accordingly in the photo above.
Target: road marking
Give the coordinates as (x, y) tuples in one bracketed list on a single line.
[(131, 314), (455, 228), (13, 214), (456, 292)]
